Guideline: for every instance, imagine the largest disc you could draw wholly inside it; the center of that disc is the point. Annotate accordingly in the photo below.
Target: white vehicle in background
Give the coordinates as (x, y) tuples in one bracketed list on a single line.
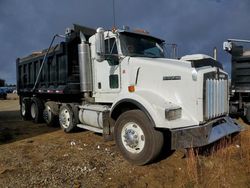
[(119, 83)]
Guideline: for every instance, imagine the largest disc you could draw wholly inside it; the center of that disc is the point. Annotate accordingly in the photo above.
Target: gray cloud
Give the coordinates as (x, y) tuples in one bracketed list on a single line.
[(196, 26)]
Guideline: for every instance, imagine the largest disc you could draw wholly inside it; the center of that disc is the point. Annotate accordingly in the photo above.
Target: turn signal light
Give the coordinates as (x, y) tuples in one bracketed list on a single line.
[(131, 88)]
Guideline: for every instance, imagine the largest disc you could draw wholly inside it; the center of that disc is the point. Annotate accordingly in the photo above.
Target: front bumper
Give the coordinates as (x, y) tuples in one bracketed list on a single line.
[(202, 135)]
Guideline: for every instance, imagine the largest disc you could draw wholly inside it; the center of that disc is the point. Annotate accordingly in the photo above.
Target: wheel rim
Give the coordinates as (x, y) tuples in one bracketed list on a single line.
[(33, 110), (133, 138), (23, 109), (47, 114), (64, 118)]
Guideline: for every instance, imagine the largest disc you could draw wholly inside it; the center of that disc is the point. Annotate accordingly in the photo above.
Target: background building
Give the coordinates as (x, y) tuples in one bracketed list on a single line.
[(2, 82)]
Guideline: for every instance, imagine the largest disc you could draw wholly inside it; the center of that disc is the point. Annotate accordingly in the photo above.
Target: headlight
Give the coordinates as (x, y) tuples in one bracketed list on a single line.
[(173, 113)]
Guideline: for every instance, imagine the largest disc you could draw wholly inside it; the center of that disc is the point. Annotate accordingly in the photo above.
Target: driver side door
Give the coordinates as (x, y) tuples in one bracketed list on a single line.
[(107, 74)]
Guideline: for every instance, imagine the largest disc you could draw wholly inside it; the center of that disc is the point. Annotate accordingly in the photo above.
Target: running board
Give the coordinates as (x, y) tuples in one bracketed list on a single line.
[(90, 128)]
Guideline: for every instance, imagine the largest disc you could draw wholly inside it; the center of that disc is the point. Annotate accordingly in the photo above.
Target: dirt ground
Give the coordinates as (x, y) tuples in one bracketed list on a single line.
[(34, 155)]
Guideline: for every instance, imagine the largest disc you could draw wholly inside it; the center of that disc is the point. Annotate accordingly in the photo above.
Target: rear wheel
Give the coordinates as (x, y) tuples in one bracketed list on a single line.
[(67, 119), (36, 110), (135, 137), (50, 114), (25, 108)]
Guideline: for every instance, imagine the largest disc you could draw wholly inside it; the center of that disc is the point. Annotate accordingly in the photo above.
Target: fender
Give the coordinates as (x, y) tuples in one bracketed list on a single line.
[(152, 104), (136, 105)]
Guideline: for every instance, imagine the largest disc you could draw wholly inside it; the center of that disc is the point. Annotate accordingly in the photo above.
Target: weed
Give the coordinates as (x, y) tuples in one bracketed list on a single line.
[(216, 165)]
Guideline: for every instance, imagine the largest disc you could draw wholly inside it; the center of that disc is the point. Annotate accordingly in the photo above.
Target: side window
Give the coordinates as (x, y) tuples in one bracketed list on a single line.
[(110, 46), (113, 81), (111, 49)]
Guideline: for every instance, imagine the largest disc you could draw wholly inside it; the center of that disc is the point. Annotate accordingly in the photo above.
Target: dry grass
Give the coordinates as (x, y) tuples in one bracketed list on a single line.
[(219, 165), (192, 166)]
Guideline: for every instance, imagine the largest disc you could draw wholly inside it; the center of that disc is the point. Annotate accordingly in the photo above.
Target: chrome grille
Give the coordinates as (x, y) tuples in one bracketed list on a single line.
[(216, 98)]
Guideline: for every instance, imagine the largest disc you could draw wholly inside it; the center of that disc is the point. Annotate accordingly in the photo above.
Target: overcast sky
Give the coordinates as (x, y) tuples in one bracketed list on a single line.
[(195, 25)]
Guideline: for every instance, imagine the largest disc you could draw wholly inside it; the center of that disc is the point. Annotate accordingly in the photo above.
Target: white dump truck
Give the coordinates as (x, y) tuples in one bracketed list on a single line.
[(120, 83)]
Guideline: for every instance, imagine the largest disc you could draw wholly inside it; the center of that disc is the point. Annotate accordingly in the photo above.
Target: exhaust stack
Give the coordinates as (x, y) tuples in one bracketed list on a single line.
[(85, 68), (215, 53)]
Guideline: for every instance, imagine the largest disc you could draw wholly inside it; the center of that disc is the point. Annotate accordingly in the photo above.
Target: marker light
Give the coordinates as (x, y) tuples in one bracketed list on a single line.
[(194, 75), (141, 31), (131, 89)]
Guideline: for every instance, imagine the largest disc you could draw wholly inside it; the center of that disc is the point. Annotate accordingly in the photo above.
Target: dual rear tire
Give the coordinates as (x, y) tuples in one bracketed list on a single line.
[(34, 109), (31, 109), (50, 114), (25, 108)]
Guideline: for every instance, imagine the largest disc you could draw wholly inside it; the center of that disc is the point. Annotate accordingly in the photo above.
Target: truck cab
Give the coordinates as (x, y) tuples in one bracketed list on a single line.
[(134, 67)]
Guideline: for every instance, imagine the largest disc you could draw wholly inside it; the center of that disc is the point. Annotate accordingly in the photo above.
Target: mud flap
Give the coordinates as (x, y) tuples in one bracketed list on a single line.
[(108, 127)]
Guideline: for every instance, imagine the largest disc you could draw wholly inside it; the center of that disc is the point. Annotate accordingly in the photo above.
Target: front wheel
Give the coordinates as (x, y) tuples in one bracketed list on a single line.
[(136, 138)]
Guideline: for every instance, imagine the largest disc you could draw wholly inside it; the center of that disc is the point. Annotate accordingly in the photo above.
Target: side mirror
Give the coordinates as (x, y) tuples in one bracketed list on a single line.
[(227, 46), (100, 44)]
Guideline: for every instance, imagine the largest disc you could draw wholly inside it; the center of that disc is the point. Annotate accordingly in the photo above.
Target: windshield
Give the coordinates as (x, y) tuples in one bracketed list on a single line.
[(137, 45)]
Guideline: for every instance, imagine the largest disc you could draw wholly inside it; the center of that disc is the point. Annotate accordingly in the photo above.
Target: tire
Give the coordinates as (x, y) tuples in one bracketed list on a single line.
[(246, 116), (50, 114), (137, 140), (25, 108), (67, 119), (36, 110)]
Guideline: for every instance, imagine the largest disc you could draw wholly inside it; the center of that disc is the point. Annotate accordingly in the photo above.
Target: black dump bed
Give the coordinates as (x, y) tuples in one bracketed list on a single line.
[(60, 73), (240, 68)]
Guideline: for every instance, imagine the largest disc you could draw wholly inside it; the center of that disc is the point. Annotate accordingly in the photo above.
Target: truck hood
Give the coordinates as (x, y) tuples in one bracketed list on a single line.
[(171, 82), (163, 83), (157, 73)]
